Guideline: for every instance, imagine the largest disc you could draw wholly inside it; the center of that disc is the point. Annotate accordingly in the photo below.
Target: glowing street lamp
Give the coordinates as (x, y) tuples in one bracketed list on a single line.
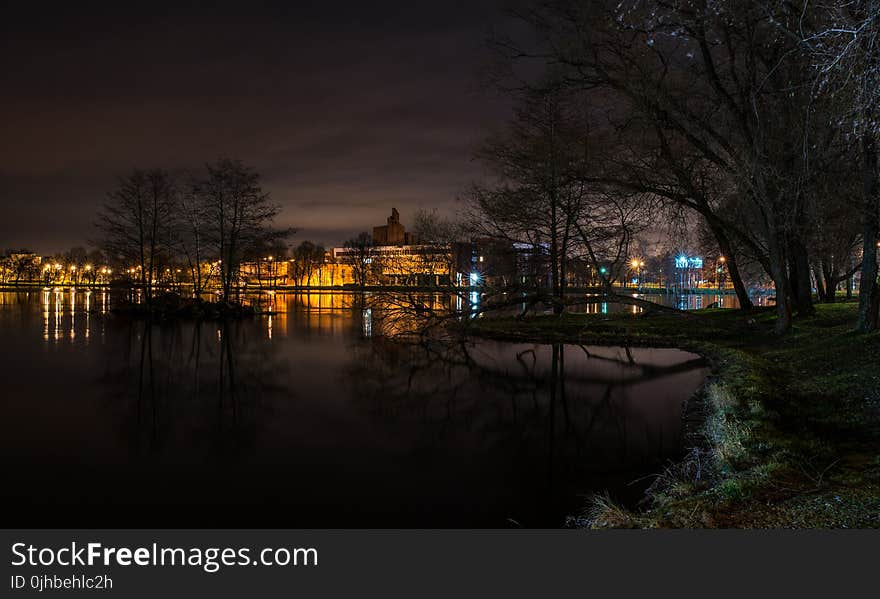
[(637, 266), (719, 270)]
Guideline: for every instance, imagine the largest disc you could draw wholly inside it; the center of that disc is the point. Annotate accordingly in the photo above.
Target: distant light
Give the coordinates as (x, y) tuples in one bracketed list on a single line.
[(603, 270), (686, 262), (475, 278)]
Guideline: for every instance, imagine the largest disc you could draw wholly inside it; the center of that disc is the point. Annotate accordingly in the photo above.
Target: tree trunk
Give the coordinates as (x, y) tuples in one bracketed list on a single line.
[(802, 290), (869, 294), (830, 285), (821, 278), (742, 294), (849, 284), (780, 274), (554, 257)]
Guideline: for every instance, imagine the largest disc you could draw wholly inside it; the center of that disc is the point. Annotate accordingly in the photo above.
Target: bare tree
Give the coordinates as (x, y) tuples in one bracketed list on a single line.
[(134, 223), (190, 228), (717, 98), (360, 257), (239, 215), (537, 164), (843, 40), (307, 259)]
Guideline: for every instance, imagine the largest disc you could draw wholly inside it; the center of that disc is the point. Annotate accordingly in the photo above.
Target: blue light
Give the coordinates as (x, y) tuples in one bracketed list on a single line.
[(688, 262), (475, 278)]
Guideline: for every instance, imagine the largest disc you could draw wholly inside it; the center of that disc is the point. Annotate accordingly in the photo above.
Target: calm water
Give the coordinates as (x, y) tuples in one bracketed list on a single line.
[(310, 419)]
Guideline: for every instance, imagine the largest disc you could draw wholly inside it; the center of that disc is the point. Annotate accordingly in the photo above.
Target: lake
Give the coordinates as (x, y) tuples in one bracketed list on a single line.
[(310, 418)]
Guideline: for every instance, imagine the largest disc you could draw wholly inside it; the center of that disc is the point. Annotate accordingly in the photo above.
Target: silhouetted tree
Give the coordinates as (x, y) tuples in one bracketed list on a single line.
[(238, 216), (307, 258), (360, 257), (135, 223)]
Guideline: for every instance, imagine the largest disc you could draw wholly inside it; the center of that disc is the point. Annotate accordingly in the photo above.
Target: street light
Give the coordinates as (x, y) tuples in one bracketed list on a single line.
[(638, 265), (718, 271)]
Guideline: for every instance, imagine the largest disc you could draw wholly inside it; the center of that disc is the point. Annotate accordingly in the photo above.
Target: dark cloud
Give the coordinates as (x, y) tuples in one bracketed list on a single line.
[(346, 108)]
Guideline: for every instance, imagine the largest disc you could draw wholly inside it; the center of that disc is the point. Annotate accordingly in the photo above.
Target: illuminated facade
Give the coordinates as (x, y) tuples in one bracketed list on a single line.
[(284, 273), (424, 265), (393, 233)]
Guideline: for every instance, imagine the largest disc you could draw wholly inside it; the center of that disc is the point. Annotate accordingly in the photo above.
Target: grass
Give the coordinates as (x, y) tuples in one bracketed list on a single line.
[(791, 433)]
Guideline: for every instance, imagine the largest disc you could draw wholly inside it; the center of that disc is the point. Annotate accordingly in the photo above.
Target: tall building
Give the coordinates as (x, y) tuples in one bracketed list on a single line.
[(393, 233)]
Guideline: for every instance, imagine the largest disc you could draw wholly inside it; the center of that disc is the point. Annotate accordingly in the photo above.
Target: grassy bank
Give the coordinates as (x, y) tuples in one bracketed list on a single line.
[(790, 435)]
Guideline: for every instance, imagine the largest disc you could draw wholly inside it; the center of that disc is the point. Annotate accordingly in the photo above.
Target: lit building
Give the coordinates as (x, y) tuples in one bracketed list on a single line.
[(396, 258), (391, 258), (392, 233)]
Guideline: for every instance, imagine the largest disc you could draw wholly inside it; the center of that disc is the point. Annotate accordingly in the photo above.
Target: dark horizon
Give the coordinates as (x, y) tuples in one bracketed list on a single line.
[(345, 110)]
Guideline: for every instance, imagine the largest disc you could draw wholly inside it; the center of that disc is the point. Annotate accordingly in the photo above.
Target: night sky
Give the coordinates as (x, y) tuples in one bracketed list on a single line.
[(346, 108)]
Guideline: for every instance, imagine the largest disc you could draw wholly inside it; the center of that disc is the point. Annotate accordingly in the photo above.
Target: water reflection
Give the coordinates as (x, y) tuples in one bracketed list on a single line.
[(312, 416), (545, 423), (67, 315), (386, 314), (185, 391)]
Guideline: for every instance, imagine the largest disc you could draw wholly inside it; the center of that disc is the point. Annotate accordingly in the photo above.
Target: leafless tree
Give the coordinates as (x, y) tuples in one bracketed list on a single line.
[(135, 222), (717, 94), (239, 215), (190, 231), (360, 257), (536, 193), (308, 258), (843, 41)]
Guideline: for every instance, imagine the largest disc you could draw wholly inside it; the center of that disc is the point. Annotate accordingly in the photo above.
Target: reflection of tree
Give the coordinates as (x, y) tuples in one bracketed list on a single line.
[(555, 409), (200, 388)]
